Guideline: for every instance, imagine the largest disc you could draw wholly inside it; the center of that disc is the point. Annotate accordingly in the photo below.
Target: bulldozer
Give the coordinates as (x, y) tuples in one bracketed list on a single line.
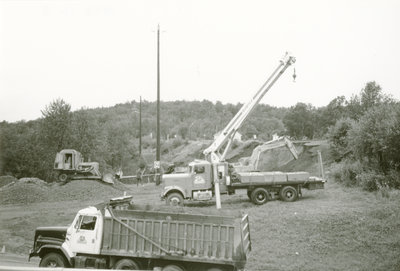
[(70, 165)]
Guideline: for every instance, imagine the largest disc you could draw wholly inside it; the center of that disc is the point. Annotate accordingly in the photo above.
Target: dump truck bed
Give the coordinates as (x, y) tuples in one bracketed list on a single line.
[(183, 237)]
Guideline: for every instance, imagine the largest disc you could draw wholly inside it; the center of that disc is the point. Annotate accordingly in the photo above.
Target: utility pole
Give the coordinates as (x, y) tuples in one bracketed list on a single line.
[(157, 163), (140, 128)]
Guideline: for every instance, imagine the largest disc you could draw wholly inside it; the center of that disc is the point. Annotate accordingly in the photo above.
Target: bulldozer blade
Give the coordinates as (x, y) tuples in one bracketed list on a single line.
[(108, 178)]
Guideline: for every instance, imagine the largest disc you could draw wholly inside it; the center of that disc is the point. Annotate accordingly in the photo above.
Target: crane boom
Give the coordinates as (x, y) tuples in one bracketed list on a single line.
[(225, 138)]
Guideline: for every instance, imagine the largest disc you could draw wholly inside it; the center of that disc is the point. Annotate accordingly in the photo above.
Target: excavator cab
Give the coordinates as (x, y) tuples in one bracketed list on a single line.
[(67, 160)]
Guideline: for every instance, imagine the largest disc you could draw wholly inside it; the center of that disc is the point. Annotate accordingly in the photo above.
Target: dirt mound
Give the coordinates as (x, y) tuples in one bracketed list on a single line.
[(187, 153), (31, 190), (36, 181), (23, 193), (6, 180), (308, 158), (244, 149)]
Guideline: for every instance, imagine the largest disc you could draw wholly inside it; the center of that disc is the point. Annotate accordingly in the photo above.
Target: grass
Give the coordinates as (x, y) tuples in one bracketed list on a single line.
[(333, 229)]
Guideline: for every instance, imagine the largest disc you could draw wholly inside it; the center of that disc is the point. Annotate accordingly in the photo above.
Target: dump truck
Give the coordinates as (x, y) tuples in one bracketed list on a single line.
[(213, 176), (70, 165), (121, 235)]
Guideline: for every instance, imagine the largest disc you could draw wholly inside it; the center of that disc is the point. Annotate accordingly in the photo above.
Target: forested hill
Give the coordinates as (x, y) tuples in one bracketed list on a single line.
[(110, 135)]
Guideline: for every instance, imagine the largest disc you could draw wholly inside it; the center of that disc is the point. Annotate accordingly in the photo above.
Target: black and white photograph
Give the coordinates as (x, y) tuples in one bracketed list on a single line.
[(199, 135)]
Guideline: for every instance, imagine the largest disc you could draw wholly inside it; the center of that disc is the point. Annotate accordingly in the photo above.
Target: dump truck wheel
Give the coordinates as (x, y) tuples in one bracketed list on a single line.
[(53, 260), (259, 196), (126, 264), (288, 193), (63, 177), (172, 267), (174, 199)]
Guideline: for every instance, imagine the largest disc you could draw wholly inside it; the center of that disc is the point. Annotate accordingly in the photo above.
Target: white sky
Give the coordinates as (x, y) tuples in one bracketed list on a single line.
[(99, 53)]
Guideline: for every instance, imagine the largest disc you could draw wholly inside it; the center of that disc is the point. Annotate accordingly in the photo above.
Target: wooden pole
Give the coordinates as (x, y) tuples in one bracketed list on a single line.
[(157, 163), (140, 127)]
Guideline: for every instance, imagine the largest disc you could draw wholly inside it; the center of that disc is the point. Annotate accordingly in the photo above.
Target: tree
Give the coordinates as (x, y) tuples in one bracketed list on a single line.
[(299, 121), (55, 124), (339, 138), (375, 140)]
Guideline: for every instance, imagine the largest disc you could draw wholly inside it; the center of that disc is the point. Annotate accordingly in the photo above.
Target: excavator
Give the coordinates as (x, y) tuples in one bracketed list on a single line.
[(214, 176), (257, 160), (70, 165)]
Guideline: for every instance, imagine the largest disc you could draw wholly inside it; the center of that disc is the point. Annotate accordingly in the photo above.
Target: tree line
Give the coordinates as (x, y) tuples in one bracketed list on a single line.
[(363, 129)]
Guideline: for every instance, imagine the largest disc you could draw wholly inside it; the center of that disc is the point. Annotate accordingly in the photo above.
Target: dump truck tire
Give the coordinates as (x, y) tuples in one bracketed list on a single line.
[(126, 264), (288, 193), (174, 199), (53, 260), (63, 177), (259, 196)]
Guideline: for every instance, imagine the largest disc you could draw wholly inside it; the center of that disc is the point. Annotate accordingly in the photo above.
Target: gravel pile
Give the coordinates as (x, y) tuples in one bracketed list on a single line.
[(31, 190)]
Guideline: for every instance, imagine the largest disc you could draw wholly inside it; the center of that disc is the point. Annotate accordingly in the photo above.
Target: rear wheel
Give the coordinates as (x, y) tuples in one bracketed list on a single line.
[(174, 199), (288, 193), (259, 196), (53, 260), (126, 264)]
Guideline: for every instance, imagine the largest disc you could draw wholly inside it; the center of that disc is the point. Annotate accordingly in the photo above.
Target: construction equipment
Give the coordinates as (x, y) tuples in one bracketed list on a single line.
[(71, 166), (213, 176), (121, 235), (257, 160)]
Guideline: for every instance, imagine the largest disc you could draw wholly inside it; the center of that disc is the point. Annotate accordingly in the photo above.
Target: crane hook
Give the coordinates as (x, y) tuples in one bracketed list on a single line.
[(294, 75)]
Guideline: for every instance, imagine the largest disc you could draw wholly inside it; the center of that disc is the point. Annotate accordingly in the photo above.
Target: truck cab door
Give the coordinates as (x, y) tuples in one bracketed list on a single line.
[(201, 177), (84, 235)]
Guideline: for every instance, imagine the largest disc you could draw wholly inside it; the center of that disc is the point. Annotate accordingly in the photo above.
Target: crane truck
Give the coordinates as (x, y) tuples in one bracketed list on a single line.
[(121, 235), (214, 176)]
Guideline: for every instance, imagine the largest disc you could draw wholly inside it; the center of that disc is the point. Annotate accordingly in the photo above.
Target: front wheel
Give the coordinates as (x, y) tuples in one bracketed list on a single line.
[(63, 177), (174, 199), (53, 260)]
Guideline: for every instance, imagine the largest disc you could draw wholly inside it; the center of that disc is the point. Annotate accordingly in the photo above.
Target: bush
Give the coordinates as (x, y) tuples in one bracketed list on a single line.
[(371, 180), (346, 172), (353, 173)]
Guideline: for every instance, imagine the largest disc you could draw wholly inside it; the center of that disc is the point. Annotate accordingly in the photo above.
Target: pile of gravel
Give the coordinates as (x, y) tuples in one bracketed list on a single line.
[(32, 190)]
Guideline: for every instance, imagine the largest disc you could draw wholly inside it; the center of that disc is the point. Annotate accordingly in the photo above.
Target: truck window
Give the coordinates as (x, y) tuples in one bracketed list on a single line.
[(199, 169), (88, 223), (78, 221)]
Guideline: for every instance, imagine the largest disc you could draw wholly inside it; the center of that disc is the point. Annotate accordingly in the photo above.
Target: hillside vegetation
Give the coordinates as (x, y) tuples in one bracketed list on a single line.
[(364, 133)]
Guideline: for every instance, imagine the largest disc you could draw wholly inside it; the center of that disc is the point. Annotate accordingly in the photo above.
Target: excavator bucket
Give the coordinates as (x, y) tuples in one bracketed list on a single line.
[(291, 148), (108, 178)]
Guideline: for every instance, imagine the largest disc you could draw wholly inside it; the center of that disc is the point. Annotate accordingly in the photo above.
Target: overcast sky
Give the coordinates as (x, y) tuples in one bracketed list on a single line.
[(99, 53)]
